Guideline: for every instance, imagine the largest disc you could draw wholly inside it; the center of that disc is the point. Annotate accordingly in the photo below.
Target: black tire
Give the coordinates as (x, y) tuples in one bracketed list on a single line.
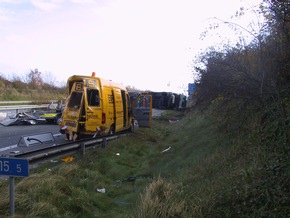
[(132, 126), (58, 120), (112, 130), (49, 121)]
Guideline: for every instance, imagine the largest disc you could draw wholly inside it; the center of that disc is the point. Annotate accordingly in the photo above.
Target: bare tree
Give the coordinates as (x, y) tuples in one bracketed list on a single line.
[(49, 79), (34, 79)]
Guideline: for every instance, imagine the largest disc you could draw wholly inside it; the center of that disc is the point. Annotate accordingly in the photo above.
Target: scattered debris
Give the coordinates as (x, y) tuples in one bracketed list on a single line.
[(167, 149), (68, 159), (101, 190), (3, 116), (133, 179), (173, 120), (21, 119), (51, 115), (136, 124), (121, 202)]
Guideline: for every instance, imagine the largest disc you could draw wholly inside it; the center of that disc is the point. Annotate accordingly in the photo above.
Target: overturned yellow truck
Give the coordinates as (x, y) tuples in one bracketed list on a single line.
[(97, 107)]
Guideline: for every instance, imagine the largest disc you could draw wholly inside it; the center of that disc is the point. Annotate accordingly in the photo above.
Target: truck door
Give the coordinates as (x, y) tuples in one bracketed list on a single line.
[(118, 110), (142, 110), (125, 100), (74, 108), (93, 109)]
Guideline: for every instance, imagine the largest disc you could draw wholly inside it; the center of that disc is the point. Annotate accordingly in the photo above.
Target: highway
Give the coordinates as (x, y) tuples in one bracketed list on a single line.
[(11, 135)]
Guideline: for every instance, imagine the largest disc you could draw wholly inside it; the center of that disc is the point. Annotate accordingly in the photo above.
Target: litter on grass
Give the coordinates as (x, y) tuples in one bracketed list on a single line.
[(68, 159), (167, 149), (101, 190)]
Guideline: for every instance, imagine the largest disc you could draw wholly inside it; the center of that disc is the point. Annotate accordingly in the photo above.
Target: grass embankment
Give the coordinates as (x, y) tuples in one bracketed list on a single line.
[(12, 94), (205, 172)]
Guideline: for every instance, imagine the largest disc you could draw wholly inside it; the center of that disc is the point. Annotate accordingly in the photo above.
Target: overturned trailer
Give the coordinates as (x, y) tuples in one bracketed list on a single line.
[(164, 100)]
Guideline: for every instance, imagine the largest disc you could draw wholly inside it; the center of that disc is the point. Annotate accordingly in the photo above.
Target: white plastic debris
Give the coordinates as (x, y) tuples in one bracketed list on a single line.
[(101, 190), (3, 116), (167, 149), (118, 154)]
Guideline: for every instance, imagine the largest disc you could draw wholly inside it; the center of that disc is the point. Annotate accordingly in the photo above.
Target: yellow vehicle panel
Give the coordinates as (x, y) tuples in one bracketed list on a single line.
[(95, 106)]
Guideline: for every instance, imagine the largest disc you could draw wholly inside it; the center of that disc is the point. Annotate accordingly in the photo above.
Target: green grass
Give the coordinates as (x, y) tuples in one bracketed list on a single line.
[(207, 172)]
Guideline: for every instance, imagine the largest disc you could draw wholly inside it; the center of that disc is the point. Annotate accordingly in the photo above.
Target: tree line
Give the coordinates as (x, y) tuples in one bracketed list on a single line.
[(254, 71), (247, 89), (33, 86)]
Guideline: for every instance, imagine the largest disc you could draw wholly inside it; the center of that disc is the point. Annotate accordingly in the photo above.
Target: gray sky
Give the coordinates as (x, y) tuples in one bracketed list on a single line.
[(148, 44)]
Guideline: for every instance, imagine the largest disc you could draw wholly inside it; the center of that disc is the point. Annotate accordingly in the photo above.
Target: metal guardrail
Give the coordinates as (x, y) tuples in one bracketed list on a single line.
[(18, 108), (63, 149), (15, 102), (23, 105), (26, 102)]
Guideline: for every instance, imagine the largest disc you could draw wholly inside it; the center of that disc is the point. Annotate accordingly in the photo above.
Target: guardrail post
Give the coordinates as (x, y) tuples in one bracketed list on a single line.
[(12, 201), (104, 142), (83, 148)]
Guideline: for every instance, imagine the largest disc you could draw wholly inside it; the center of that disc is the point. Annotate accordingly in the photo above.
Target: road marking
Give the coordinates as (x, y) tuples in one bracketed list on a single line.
[(7, 148), (57, 134), (15, 146)]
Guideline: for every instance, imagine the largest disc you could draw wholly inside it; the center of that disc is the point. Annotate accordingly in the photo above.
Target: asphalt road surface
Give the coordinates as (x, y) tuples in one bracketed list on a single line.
[(11, 135)]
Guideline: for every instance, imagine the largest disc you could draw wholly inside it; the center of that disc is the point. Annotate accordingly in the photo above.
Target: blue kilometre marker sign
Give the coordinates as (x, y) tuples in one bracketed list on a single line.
[(14, 167)]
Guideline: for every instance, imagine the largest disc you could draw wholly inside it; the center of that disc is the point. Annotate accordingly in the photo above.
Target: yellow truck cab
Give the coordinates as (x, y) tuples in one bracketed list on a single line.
[(95, 106)]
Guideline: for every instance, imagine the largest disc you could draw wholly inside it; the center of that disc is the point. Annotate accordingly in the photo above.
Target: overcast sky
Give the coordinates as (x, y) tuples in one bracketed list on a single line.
[(148, 44)]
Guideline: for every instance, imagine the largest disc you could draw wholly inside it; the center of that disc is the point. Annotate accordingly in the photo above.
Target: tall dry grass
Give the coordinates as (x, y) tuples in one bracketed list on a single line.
[(161, 198)]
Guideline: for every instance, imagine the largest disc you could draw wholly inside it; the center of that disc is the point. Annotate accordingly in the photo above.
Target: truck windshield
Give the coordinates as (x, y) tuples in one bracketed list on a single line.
[(75, 100), (93, 97)]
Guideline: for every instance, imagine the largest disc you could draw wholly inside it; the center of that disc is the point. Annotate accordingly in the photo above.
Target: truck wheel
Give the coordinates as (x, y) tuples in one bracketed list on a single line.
[(132, 126), (58, 120), (112, 130)]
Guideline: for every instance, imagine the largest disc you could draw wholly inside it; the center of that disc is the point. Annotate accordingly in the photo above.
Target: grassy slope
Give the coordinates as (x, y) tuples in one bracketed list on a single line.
[(206, 173)]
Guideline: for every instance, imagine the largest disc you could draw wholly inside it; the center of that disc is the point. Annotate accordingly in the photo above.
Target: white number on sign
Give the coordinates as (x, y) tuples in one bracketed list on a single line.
[(18, 168), (4, 166)]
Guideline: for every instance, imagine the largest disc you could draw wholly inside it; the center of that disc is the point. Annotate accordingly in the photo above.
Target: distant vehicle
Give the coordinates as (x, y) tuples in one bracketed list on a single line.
[(164, 100), (49, 115), (52, 115), (22, 118), (95, 106)]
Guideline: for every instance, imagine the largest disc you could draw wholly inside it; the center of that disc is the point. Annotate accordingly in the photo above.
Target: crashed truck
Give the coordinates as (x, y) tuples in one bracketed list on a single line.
[(51, 114), (99, 107)]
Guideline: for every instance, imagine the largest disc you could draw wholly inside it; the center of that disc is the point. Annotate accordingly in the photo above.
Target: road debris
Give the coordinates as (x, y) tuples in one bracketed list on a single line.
[(101, 190), (167, 149), (173, 120), (68, 159)]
